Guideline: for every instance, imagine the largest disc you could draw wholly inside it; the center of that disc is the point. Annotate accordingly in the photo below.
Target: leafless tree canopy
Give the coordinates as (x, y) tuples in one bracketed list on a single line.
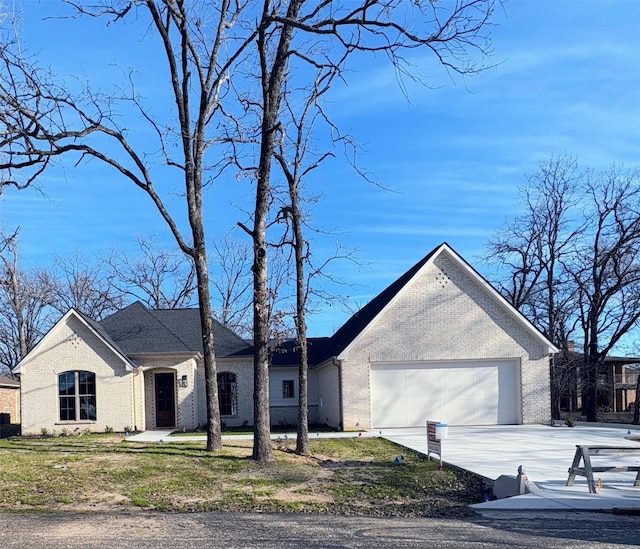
[(571, 262), (160, 278), (76, 281), (229, 66), (24, 315)]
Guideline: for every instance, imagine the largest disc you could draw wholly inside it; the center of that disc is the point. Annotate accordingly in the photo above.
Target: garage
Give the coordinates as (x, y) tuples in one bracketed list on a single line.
[(456, 393)]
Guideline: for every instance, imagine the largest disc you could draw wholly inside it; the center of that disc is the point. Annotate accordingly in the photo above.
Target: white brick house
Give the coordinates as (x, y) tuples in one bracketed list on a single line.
[(439, 343)]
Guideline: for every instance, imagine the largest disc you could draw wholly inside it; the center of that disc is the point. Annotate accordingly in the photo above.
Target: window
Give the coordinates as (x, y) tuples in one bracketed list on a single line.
[(77, 396), (227, 394), (288, 389)]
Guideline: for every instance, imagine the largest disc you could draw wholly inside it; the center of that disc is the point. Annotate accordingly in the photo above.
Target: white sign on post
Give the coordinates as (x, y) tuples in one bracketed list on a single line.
[(434, 444)]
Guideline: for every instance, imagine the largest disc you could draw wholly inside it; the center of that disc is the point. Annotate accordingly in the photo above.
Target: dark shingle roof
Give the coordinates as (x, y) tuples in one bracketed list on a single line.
[(287, 353), (138, 330), (8, 382), (95, 325), (573, 357)]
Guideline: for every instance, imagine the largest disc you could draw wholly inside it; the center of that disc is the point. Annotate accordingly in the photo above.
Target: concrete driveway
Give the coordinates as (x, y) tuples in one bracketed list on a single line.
[(545, 453)]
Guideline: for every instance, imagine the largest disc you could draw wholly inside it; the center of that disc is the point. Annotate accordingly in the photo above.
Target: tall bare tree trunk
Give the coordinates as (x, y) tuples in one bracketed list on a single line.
[(261, 414), (302, 439), (589, 398), (272, 78), (214, 434), (636, 405)]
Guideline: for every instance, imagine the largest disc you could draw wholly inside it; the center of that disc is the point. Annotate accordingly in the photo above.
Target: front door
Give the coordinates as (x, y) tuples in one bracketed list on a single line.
[(165, 400)]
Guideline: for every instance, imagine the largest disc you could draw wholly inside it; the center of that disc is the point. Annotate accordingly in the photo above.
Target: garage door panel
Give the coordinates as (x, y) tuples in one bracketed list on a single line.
[(406, 395), (423, 384)]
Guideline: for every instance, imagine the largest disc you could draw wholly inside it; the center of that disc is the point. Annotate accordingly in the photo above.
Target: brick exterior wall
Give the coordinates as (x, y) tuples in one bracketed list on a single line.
[(72, 346), (10, 403), (445, 314), (243, 370), (185, 397), (329, 395)]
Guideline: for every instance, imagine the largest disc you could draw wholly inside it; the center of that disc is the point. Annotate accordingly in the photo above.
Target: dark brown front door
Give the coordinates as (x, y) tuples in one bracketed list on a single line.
[(165, 400)]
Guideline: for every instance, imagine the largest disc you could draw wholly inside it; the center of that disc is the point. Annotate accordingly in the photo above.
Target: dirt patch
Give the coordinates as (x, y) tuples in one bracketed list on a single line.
[(311, 491)]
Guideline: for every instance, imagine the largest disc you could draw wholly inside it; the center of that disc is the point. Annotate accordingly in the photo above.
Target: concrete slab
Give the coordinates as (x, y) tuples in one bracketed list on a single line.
[(545, 453), (150, 436)]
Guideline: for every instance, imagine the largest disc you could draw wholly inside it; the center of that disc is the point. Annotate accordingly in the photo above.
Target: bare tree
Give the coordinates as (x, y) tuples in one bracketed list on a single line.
[(40, 120), (308, 36), (297, 159), (532, 248), (24, 312), (572, 265), (160, 278), (231, 281), (531, 252), (606, 272), (211, 50), (76, 281)]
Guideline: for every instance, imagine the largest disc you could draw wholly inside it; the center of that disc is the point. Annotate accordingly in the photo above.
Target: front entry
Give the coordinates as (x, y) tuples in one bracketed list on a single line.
[(165, 400)]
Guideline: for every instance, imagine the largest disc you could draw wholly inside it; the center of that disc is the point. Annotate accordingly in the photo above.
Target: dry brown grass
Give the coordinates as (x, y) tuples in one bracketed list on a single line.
[(347, 476)]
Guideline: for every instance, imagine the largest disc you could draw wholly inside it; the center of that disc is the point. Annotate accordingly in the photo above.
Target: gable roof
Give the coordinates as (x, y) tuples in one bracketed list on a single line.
[(353, 328), (139, 330), (91, 325)]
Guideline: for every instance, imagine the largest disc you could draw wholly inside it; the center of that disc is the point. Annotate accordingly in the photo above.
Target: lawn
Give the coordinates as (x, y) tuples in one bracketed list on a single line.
[(356, 476)]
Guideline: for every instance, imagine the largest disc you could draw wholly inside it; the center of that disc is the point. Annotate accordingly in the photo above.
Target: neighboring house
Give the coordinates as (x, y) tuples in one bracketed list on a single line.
[(9, 400), (439, 343), (617, 382)]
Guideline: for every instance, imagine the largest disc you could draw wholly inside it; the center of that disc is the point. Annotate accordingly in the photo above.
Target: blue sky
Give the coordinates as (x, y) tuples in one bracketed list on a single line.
[(565, 81)]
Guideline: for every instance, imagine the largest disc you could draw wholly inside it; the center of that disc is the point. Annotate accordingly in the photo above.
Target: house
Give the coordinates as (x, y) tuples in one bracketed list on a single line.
[(617, 382), (439, 343), (9, 400)]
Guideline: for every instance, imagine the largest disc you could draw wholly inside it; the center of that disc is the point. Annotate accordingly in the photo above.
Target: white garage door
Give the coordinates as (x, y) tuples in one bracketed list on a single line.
[(465, 393)]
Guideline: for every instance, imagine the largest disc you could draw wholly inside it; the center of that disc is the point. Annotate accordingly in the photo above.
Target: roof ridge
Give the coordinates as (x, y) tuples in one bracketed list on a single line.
[(151, 313), (215, 324)]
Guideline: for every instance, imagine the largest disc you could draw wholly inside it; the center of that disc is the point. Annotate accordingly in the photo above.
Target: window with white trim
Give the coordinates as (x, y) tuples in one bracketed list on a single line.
[(288, 388), (227, 394), (77, 396)]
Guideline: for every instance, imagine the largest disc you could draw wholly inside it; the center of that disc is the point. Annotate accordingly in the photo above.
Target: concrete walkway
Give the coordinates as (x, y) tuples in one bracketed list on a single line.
[(545, 453), (165, 436)]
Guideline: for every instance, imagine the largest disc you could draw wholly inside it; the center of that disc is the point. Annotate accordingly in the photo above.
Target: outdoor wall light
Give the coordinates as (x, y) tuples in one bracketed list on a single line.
[(183, 381)]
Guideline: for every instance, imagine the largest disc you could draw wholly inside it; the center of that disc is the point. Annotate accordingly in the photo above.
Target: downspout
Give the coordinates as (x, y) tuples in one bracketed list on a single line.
[(133, 392), (195, 398), (19, 404), (338, 364)]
